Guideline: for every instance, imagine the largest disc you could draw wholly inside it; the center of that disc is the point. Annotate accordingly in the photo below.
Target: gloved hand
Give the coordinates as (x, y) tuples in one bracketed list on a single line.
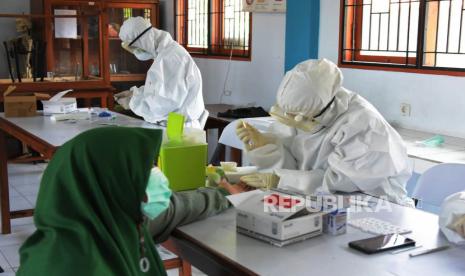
[(261, 180), (250, 136), (123, 98), (459, 226)]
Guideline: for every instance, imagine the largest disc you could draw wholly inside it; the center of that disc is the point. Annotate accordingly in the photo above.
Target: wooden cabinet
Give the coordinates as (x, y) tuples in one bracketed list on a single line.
[(80, 48)]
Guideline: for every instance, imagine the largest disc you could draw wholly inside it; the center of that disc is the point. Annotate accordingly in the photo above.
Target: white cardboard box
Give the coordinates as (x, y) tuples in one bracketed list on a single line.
[(59, 105), (278, 218)]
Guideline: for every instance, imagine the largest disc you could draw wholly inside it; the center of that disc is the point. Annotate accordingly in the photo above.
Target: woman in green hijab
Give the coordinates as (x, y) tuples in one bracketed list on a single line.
[(88, 213)]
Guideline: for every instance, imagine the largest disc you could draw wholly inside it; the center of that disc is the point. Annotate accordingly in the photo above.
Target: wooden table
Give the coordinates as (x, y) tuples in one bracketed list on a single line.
[(45, 137)]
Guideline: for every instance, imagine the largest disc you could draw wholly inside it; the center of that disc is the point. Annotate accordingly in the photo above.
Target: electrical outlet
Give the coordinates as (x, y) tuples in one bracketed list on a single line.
[(227, 93), (405, 109)]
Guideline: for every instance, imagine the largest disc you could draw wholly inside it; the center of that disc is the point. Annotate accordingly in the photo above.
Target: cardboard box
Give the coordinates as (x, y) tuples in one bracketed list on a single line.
[(20, 105), (277, 217), (59, 105)]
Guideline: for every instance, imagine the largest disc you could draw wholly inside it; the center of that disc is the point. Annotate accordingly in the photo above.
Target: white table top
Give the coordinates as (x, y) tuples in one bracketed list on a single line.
[(58, 133), (329, 255), (452, 151)]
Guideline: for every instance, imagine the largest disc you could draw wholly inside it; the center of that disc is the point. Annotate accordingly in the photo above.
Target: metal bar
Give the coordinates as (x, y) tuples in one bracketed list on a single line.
[(448, 26), (398, 25), (369, 26), (209, 28), (437, 34), (408, 31), (421, 34), (389, 26), (461, 22)]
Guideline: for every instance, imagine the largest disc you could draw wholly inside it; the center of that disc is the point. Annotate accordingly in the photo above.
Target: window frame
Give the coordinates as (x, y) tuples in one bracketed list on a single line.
[(215, 34), (368, 62)]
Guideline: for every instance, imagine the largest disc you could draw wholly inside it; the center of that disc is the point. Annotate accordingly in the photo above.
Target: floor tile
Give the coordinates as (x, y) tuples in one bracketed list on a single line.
[(4, 264), (22, 221), (11, 254), (19, 203), (27, 189), (32, 199)]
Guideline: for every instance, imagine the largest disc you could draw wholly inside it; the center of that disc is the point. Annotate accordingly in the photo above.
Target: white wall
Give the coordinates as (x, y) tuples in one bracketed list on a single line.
[(437, 102), (250, 82), (255, 81)]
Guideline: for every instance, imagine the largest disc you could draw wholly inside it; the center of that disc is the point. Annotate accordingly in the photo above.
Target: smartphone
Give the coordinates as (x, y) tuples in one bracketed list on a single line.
[(381, 243)]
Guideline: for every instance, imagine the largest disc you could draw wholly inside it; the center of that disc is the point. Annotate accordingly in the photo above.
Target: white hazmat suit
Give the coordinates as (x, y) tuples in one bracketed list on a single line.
[(452, 218), (173, 83), (329, 137)]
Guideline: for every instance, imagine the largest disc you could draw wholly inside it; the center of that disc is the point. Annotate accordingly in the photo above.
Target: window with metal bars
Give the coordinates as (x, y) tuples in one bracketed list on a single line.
[(218, 28), (425, 36)]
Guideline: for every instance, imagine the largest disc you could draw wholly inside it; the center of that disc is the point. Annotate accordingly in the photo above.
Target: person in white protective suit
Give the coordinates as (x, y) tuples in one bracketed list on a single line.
[(326, 138), (452, 218), (173, 83)]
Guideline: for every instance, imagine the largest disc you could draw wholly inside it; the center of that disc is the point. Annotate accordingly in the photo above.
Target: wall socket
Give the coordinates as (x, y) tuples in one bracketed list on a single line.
[(405, 109)]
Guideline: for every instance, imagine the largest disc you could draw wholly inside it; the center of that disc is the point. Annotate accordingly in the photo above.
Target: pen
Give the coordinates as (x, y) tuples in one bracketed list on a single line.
[(428, 251)]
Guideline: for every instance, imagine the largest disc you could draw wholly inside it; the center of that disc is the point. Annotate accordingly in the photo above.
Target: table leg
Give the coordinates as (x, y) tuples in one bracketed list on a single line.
[(236, 155), (222, 155), (4, 189)]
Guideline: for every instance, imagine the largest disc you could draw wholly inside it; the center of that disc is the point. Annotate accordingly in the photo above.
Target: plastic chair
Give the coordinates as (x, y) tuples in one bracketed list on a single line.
[(437, 183)]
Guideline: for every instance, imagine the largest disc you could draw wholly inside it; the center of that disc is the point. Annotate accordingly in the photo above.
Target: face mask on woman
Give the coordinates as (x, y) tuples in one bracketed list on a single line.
[(158, 194)]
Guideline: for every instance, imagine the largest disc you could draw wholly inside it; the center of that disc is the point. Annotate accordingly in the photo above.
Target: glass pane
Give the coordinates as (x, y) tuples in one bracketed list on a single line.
[(121, 61), (445, 34), (390, 28), (76, 44), (22, 49), (197, 18), (236, 24)]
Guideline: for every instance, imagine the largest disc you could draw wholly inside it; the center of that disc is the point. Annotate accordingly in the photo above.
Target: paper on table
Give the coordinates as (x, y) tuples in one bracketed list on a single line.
[(238, 199), (65, 27)]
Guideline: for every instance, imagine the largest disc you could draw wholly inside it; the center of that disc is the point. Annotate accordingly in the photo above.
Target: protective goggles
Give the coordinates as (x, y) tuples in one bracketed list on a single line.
[(128, 46), (298, 119)]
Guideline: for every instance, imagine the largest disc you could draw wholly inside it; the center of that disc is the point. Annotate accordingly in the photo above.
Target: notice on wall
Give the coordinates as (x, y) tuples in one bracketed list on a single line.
[(66, 27), (264, 5)]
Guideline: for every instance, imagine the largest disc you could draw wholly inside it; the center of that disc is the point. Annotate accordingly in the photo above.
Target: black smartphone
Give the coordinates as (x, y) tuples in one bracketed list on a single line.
[(381, 243)]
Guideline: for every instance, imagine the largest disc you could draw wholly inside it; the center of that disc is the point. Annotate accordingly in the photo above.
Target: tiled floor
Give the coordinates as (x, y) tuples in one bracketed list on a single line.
[(24, 186)]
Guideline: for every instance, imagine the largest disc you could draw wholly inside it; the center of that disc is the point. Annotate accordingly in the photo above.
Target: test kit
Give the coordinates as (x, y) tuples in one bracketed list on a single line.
[(277, 217), (60, 105)]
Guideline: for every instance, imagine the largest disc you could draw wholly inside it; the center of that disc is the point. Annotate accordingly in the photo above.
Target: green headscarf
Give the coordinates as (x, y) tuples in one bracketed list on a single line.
[(88, 208)]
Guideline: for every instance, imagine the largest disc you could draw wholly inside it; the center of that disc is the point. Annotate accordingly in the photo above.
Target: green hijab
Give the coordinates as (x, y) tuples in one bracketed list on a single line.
[(88, 208)]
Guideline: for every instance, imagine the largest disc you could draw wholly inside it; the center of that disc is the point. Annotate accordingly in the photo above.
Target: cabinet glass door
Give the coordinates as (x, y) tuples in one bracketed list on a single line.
[(74, 53), (123, 65)]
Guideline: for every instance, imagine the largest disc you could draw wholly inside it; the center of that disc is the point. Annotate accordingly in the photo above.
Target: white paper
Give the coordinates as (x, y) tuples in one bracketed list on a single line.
[(238, 199), (65, 27), (59, 95), (264, 6), (164, 253)]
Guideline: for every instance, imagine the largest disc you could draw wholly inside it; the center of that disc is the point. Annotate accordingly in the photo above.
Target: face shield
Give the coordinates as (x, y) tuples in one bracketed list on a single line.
[(139, 53), (297, 119)]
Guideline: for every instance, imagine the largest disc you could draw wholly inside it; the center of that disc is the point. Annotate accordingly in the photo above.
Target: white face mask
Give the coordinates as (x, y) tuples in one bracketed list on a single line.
[(142, 55)]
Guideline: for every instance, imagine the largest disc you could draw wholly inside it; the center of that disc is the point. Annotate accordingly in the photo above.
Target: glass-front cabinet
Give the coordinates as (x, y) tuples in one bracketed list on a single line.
[(61, 44), (74, 51), (123, 65)]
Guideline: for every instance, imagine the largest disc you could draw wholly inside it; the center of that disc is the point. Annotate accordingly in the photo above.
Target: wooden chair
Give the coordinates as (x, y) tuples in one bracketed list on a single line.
[(185, 268)]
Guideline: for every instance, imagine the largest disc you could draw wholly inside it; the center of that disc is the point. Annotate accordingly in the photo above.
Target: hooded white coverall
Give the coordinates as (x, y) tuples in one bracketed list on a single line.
[(173, 83), (452, 218), (351, 149)]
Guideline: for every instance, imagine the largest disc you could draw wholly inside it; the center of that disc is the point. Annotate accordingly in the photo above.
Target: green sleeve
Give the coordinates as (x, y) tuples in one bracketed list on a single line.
[(186, 207)]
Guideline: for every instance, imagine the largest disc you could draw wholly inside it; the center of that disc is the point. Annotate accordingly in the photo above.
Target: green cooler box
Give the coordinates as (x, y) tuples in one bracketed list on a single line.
[(184, 165)]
